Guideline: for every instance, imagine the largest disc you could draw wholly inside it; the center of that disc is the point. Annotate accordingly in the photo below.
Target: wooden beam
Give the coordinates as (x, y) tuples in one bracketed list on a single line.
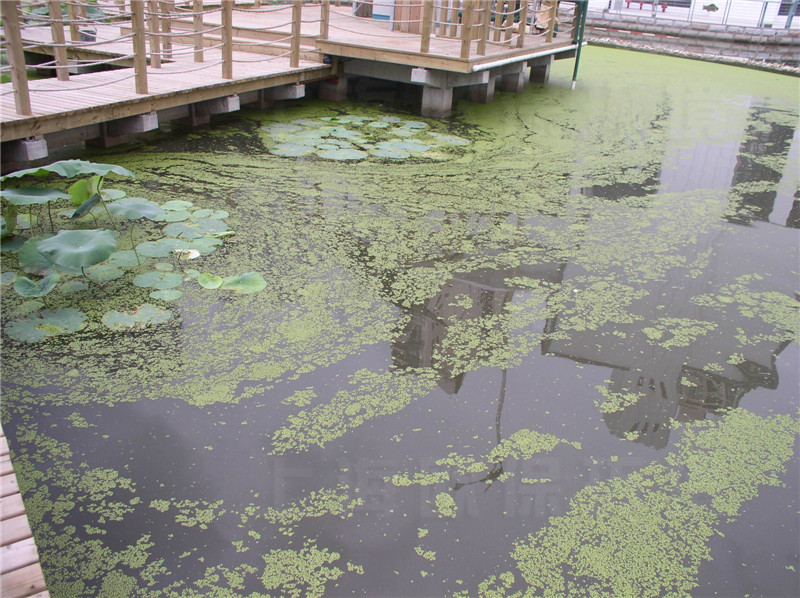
[(139, 47), (16, 59), (59, 48)]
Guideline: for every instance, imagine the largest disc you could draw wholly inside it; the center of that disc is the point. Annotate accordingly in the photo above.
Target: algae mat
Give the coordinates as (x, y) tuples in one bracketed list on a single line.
[(546, 348)]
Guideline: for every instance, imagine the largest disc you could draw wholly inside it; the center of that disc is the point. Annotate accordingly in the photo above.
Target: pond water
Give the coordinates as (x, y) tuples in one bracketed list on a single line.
[(545, 348)]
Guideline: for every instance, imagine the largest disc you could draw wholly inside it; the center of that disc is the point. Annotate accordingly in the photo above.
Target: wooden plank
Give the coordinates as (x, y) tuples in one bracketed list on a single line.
[(8, 485), (24, 582), (11, 506), (5, 465), (14, 530), (18, 555)]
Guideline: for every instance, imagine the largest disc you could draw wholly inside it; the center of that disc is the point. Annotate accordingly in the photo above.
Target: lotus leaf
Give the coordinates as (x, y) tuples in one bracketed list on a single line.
[(306, 122), (28, 307), (391, 154), (83, 189), (379, 124), (278, 128), (213, 214), (123, 258), (177, 205), (7, 277), (209, 281), (390, 119), (47, 323), (113, 194), (195, 229), (74, 286), (86, 206), (249, 282), (204, 245), (145, 315), (167, 295), (343, 155), (105, 272), (164, 267), (13, 245), (134, 208), (31, 260), (158, 280), (187, 254), (292, 150), (223, 234), (415, 124), (27, 196), (176, 216), (191, 273), (449, 139), (70, 169), (79, 248), (413, 146), (28, 288), (160, 248)]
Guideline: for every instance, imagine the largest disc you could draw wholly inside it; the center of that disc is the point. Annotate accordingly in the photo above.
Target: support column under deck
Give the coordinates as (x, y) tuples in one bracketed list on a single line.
[(483, 93), (437, 102), (540, 69), (513, 77)]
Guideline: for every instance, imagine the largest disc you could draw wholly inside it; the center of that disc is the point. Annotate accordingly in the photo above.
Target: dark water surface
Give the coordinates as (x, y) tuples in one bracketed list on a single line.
[(546, 348)]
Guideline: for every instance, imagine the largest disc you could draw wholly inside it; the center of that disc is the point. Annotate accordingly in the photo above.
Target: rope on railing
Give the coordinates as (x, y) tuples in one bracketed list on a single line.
[(186, 34), (101, 84), (171, 71), (271, 57)]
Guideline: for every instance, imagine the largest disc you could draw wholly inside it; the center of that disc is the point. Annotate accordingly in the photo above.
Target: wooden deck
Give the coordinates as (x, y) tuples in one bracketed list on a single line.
[(246, 49), (20, 572)]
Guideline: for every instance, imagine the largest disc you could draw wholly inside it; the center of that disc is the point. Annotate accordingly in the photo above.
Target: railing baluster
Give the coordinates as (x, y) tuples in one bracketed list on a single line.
[(74, 34), (16, 58), (155, 41), (427, 18), (466, 29), (325, 19), (197, 20), (486, 6), (139, 46), (227, 39), (523, 24), (59, 49), (166, 26), (551, 25), (297, 15)]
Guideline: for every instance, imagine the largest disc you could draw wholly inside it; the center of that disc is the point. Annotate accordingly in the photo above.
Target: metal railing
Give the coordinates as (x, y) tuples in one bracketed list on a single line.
[(775, 14)]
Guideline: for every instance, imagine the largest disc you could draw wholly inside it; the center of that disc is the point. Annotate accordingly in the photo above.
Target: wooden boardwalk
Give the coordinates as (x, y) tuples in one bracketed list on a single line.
[(258, 49), (20, 572)]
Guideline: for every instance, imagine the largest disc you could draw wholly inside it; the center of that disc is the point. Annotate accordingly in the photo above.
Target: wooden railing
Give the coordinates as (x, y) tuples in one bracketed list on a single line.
[(153, 32)]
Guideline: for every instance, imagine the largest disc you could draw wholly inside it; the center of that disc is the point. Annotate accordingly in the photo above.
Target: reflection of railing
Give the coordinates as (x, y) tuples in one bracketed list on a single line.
[(777, 14)]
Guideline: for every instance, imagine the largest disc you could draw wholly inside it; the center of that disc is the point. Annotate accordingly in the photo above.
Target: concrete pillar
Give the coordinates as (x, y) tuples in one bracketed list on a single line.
[(514, 77), (483, 93), (334, 90), (25, 150), (540, 69), (437, 102)]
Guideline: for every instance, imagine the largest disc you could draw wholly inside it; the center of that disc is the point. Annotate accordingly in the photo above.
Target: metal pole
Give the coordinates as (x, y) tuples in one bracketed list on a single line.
[(792, 13), (583, 5)]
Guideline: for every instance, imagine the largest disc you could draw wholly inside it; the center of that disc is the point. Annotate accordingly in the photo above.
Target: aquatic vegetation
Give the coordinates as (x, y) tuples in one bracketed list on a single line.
[(473, 340)]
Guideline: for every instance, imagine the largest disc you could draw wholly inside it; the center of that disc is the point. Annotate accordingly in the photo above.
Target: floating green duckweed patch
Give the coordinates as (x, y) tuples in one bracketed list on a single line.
[(417, 374)]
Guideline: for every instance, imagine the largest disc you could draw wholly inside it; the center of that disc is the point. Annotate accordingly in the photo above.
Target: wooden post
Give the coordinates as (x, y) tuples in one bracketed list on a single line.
[(59, 49), (325, 16), (166, 26), (197, 20), (484, 30), (227, 39), (551, 25), (155, 41), (139, 46), (523, 24), (452, 16), (427, 23), (466, 28), (16, 58), (297, 15), (74, 34)]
